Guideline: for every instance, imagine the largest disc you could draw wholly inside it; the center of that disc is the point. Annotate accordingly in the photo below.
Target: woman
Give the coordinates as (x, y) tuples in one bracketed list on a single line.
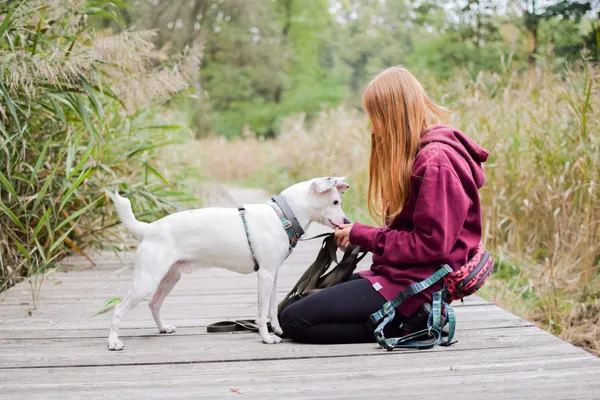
[(423, 187)]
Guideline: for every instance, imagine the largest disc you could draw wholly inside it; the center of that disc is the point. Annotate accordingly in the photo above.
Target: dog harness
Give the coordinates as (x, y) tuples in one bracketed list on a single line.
[(457, 284), (441, 315), (288, 220)]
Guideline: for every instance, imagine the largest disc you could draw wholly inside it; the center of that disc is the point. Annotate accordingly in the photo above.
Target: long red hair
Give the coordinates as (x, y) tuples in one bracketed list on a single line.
[(399, 111)]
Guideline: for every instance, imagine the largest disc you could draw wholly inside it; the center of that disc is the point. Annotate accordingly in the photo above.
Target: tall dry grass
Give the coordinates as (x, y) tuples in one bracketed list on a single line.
[(541, 203)]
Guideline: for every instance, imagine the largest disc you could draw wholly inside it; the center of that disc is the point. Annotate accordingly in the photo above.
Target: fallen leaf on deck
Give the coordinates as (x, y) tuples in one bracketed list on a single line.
[(109, 305)]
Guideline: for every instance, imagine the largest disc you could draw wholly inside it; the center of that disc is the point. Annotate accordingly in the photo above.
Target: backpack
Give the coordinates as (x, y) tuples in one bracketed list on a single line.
[(457, 284), (320, 275)]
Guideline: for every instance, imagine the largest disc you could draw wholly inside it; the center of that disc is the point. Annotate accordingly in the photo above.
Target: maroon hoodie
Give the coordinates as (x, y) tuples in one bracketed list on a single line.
[(440, 222)]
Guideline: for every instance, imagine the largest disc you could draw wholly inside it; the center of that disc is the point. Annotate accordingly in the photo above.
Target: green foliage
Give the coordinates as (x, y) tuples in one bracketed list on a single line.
[(260, 71), (564, 37), (444, 56), (65, 136), (108, 306), (267, 59)]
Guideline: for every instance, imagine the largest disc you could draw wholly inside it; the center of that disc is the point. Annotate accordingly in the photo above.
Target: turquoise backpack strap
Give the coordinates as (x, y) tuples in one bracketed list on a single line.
[(435, 324)]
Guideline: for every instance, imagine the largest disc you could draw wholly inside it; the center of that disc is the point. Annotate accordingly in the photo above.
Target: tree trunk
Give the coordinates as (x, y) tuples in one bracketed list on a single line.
[(284, 41), (532, 59)]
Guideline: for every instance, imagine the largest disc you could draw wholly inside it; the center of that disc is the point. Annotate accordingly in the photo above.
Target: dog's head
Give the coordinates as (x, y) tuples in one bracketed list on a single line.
[(325, 201)]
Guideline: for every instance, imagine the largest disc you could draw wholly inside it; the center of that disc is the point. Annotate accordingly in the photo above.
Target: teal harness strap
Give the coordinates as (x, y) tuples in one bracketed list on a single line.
[(436, 322), (413, 289), (242, 212)]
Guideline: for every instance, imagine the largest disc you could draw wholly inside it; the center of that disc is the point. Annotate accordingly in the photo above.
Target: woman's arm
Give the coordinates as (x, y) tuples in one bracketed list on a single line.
[(440, 212)]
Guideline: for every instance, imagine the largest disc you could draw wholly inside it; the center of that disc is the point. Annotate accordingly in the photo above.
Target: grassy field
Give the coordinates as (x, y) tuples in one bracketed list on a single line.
[(541, 200)]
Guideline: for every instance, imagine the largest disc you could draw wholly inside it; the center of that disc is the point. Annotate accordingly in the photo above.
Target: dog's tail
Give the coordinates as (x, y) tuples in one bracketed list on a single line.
[(123, 206)]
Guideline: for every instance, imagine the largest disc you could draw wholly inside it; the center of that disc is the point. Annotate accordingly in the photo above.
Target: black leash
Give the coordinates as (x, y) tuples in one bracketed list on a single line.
[(317, 237)]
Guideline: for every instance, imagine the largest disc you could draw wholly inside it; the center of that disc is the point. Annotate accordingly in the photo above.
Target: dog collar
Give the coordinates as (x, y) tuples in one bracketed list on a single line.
[(288, 220)]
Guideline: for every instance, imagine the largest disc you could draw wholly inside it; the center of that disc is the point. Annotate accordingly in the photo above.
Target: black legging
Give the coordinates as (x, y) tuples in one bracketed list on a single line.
[(336, 315)]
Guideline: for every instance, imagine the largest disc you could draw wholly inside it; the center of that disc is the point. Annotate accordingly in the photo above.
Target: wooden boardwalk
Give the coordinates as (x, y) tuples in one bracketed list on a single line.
[(59, 352)]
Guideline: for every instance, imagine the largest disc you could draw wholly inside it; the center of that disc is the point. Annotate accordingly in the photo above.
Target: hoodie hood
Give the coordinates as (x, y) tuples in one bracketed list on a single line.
[(473, 153)]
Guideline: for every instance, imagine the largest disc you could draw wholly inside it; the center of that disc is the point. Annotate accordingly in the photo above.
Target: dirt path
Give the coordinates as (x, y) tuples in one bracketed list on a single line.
[(230, 196)]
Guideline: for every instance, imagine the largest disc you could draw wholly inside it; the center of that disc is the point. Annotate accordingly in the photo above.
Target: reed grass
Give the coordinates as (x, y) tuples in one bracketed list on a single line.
[(74, 122)]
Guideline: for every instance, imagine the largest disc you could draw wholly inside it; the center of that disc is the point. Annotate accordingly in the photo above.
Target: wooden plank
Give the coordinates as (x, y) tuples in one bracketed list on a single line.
[(228, 347), (73, 318), (75, 286), (177, 306), (139, 321), (491, 372), (180, 295), (484, 360), (34, 334)]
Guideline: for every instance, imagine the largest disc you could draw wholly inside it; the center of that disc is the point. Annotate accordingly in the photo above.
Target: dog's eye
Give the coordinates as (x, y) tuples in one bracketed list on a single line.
[(336, 202)]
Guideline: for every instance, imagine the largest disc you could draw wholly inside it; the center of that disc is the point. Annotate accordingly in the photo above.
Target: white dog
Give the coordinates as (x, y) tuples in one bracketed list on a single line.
[(216, 237)]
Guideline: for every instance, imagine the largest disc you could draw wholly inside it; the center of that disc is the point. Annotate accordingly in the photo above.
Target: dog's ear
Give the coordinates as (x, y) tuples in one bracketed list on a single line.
[(340, 185), (322, 185)]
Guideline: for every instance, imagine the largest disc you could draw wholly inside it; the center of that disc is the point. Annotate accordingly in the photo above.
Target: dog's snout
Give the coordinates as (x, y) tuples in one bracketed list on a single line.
[(346, 220)]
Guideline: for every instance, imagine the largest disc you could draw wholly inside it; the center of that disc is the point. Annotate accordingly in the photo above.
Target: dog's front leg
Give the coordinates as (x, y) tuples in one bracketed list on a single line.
[(265, 287), (273, 317)]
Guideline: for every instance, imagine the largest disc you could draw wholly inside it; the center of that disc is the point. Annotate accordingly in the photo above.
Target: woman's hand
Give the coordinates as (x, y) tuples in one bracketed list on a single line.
[(341, 236)]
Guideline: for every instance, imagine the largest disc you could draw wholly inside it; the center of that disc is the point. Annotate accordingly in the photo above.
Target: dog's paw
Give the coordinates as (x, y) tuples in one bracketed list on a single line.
[(168, 329), (271, 339), (115, 345), (278, 331)]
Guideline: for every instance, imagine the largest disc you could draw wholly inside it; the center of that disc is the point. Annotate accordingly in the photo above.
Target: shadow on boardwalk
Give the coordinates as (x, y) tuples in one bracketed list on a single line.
[(59, 352)]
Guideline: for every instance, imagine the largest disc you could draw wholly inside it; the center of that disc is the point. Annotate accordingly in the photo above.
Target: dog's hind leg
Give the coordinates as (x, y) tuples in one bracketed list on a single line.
[(164, 288), (273, 308), (131, 299), (265, 287), (149, 270)]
